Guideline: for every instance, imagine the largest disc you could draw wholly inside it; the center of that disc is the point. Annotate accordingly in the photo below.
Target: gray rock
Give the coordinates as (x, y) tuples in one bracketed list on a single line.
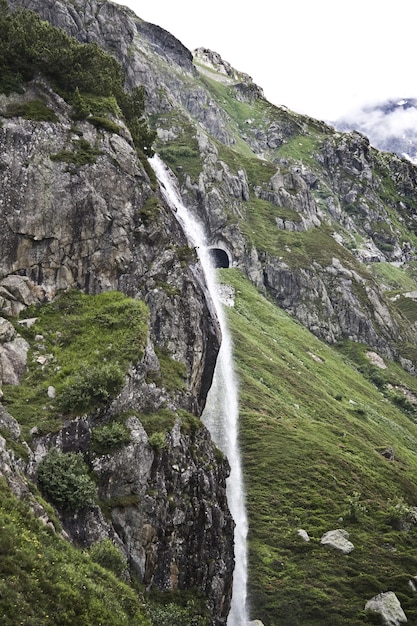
[(13, 354), (338, 540), (303, 534), (388, 607)]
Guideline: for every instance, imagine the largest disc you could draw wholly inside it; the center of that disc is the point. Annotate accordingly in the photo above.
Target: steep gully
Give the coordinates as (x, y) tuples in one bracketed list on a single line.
[(221, 412)]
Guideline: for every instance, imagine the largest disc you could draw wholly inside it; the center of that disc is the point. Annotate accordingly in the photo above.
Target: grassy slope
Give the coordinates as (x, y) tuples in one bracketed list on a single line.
[(44, 580), (312, 429)]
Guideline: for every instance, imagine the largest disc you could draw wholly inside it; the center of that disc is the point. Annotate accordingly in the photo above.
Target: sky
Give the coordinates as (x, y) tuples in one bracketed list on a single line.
[(318, 57)]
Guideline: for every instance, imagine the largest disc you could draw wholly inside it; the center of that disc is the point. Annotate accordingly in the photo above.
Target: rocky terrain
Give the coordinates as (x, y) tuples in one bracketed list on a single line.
[(318, 221)]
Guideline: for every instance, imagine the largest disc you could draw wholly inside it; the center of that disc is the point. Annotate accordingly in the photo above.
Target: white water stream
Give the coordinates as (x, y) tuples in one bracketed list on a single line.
[(222, 409)]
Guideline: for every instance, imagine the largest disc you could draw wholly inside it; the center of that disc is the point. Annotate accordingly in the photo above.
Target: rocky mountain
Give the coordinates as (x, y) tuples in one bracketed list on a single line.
[(390, 125), (109, 340)]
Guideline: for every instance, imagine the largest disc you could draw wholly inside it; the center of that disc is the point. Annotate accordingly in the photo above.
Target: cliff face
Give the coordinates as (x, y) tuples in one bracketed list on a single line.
[(79, 211)]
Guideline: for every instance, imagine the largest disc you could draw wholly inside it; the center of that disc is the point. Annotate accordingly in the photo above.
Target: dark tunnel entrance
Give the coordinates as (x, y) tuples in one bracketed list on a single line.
[(219, 257)]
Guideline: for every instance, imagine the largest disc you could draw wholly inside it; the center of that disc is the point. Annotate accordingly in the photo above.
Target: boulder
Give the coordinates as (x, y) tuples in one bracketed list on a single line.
[(303, 534), (388, 607), (337, 539)]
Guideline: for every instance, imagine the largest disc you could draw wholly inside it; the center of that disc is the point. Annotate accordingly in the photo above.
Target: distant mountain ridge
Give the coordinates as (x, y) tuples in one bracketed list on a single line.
[(391, 125)]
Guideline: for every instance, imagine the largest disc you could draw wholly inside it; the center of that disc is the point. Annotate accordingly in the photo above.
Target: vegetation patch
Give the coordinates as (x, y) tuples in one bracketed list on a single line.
[(181, 153), (81, 347), (35, 110), (82, 153), (84, 74), (172, 374), (64, 479), (45, 580), (109, 437)]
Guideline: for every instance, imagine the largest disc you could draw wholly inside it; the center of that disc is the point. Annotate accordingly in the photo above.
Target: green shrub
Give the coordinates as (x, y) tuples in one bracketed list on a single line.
[(91, 387), (104, 123), (158, 441), (109, 437), (106, 554), (35, 110), (65, 481), (171, 614), (356, 509), (400, 514), (82, 153)]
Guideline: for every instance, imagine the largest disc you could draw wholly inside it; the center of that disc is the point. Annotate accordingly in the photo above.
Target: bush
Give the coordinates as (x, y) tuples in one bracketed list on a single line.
[(180, 616), (109, 437), (107, 555), (90, 388), (157, 441), (356, 509), (35, 110), (65, 481), (400, 514)]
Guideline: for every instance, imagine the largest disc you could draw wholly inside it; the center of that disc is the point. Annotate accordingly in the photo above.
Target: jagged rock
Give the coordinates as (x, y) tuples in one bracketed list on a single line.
[(9, 423), (12, 474), (337, 539), (388, 607), (13, 354)]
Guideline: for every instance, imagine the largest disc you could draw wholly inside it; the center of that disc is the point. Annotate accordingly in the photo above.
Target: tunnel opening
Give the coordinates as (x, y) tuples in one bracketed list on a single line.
[(219, 257)]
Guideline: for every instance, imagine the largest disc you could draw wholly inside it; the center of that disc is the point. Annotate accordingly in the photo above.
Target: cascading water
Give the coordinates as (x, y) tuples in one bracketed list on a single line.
[(221, 412)]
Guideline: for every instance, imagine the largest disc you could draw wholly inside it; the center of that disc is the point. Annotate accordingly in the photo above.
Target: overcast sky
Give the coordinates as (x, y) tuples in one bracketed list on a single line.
[(318, 57)]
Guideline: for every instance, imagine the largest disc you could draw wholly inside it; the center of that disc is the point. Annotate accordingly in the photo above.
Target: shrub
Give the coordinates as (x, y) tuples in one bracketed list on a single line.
[(173, 614), (109, 437), (106, 554), (400, 514), (65, 481), (158, 441), (91, 387), (83, 153), (356, 509), (35, 110)]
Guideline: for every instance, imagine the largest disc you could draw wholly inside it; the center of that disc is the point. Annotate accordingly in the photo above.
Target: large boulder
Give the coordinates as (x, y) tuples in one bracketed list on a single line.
[(388, 607)]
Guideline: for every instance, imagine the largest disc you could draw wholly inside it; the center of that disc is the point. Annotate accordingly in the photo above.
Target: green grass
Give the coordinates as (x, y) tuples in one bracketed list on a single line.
[(82, 346), (35, 110), (181, 153), (312, 429), (45, 580)]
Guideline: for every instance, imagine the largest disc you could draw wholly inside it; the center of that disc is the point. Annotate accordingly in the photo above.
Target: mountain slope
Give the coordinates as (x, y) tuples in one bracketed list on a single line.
[(322, 226)]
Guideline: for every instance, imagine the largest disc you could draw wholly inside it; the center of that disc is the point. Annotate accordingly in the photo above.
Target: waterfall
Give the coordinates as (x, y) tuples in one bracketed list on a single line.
[(221, 412)]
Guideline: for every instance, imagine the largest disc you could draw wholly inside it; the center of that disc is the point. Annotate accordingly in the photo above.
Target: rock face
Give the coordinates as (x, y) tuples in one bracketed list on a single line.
[(388, 607), (167, 507), (306, 231), (86, 227)]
